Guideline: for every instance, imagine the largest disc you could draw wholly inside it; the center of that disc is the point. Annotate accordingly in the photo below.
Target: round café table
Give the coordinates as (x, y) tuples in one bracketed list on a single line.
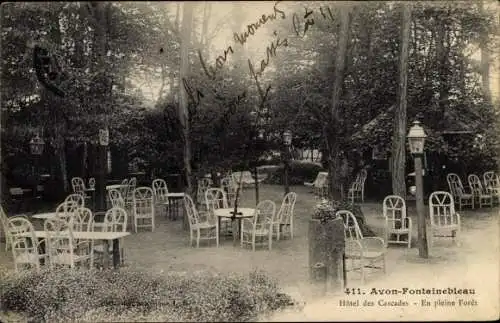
[(243, 213), (116, 186), (44, 216)]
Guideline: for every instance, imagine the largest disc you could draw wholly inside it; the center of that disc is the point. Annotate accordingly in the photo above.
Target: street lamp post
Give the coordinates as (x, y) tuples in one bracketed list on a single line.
[(36, 148), (416, 141), (287, 140)]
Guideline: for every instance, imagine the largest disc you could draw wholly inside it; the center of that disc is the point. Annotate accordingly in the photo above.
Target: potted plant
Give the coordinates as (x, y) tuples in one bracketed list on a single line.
[(326, 246)]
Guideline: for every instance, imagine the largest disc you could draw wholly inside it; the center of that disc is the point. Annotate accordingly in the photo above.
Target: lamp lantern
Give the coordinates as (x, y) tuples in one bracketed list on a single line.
[(36, 145), (416, 138), (287, 137), (104, 137)]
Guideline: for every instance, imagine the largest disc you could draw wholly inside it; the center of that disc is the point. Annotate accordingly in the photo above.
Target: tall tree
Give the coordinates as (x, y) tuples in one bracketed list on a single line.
[(172, 72), (207, 12), (183, 112), (332, 128), (485, 57), (399, 135), (99, 15)]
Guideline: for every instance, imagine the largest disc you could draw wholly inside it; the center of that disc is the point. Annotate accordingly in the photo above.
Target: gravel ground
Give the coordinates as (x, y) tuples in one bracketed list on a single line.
[(472, 265)]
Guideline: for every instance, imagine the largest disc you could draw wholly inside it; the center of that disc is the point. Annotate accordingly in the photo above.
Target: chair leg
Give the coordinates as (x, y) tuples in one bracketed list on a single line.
[(198, 238), (270, 239), (253, 242)]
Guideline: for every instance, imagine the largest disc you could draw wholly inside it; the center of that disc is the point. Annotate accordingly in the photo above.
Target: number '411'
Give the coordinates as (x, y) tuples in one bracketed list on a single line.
[(353, 291)]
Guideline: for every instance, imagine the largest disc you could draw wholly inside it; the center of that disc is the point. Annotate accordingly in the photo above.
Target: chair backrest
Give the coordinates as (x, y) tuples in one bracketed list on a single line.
[(3, 219), (359, 182), (475, 184), (236, 176), (124, 188), (442, 209), (215, 198), (204, 183), (59, 238), (363, 174), (77, 198), (191, 211), (143, 201), (82, 219), (351, 227), (23, 239), (92, 183), (160, 189), (18, 225), (132, 184), (455, 184), (116, 198), (285, 213), (394, 210), (227, 184), (491, 180), (78, 185), (265, 213), (66, 208), (115, 220)]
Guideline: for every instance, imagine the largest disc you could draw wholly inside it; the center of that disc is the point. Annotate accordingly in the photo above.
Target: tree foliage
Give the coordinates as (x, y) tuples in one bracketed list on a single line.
[(143, 42)]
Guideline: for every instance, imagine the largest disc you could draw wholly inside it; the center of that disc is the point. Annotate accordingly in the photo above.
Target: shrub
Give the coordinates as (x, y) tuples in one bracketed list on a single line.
[(298, 173), (326, 211), (65, 295)]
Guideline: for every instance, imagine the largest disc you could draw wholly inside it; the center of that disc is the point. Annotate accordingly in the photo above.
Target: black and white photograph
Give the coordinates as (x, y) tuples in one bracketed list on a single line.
[(249, 161)]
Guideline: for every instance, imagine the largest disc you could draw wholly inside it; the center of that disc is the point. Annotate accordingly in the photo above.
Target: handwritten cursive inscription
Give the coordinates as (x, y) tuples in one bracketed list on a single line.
[(196, 95), (301, 27), (194, 98), (256, 75), (211, 71), (271, 52), (252, 28)]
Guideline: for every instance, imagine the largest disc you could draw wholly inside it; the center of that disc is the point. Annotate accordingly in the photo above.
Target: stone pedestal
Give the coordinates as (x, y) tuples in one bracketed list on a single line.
[(326, 249)]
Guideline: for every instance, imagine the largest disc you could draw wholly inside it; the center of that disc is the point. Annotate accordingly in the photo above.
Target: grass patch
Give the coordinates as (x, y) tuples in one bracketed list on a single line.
[(65, 295)]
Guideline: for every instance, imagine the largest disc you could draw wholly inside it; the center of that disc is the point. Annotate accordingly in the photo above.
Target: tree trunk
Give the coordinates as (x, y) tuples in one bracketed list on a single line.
[(442, 69), (485, 58), (207, 12), (172, 73), (84, 160), (399, 137), (60, 151), (100, 12), (187, 18), (331, 129)]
